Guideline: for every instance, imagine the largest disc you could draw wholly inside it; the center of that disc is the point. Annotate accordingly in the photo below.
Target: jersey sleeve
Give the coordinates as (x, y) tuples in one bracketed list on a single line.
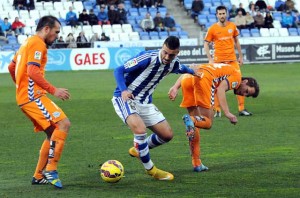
[(209, 35), (236, 31), (234, 81), (182, 69), (35, 54)]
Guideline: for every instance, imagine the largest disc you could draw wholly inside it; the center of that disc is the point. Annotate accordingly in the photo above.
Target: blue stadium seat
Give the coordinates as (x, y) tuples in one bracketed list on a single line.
[(144, 36), (12, 40), (245, 33), (255, 32), (163, 35), (154, 35), (183, 35), (293, 31), (212, 10), (202, 19), (217, 3), (7, 47), (133, 12), (278, 4), (187, 4), (277, 16), (173, 33)]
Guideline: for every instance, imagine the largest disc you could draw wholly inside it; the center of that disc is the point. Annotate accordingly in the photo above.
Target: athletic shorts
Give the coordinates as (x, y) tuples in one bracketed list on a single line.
[(148, 112), (197, 91), (43, 113)]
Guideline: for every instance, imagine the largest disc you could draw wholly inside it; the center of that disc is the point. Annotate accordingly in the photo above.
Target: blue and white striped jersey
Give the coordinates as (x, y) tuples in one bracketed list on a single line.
[(141, 74)]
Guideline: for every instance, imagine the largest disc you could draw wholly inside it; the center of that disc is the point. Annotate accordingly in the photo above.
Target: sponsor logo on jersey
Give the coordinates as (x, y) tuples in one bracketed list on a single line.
[(131, 63), (234, 84), (230, 30), (37, 55)]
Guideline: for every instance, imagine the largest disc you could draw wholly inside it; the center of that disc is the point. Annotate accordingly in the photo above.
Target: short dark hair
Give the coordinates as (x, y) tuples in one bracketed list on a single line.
[(252, 83), (172, 42), (221, 7), (47, 21)]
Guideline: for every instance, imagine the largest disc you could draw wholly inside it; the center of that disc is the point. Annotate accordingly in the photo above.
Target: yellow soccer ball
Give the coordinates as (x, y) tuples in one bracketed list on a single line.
[(112, 171)]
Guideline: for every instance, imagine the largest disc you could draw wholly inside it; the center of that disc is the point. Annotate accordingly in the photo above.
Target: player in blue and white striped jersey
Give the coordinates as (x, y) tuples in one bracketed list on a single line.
[(132, 100)]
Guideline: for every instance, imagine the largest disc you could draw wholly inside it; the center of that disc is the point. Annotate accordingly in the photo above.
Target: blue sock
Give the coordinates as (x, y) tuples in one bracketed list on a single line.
[(153, 141)]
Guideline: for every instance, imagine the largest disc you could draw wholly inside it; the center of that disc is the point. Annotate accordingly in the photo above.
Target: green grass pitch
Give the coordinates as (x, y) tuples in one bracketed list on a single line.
[(258, 157)]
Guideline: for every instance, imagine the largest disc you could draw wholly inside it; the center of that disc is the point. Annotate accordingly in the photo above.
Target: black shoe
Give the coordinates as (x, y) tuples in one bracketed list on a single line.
[(245, 113), (39, 181)]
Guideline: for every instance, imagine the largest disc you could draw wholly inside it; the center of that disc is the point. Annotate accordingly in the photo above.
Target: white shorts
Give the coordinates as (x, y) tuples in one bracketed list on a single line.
[(148, 112)]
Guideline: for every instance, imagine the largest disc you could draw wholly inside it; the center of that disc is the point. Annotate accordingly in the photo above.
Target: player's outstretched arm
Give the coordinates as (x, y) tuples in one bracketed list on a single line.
[(174, 89), (222, 88)]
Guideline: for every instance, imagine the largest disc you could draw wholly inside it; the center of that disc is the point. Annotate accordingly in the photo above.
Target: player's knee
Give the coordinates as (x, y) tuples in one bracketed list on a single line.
[(64, 125), (167, 136)]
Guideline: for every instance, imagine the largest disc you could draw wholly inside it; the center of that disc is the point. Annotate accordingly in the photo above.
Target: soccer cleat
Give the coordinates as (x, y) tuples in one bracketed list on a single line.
[(200, 168), (39, 181), (133, 152), (245, 113), (160, 174), (217, 114), (189, 125), (52, 177)]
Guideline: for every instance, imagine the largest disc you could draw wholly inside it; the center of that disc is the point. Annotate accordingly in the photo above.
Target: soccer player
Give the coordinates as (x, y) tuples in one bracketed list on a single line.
[(224, 36), (27, 70), (132, 100), (198, 98)]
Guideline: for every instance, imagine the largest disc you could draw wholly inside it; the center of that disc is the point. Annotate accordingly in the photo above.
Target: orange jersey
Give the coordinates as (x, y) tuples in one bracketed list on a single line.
[(32, 52), (223, 41), (200, 91)]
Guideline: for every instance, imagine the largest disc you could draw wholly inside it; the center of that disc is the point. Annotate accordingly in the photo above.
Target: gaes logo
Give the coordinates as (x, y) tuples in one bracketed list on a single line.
[(263, 50)]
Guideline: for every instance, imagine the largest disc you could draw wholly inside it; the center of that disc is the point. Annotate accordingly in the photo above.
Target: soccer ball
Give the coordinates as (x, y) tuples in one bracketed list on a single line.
[(112, 171)]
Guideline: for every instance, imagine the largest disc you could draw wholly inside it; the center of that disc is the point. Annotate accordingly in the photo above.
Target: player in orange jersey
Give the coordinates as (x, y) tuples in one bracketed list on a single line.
[(27, 70), (224, 36), (198, 99)]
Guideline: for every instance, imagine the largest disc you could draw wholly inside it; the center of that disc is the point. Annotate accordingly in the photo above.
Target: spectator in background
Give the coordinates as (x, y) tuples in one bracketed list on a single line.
[(290, 5), (136, 3), (268, 20), (71, 18), (70, 41), (19, 4), (113, 15), (240, 20), (17, 26), (122, 13), (29, 4), (232, 12), (240, 8), (159, 3), (84, 18), (148, 3), (104, 37), (261, 4), (253, 10), (82, 41), (102, 16), (2, 36), (94, 38), (101, 3), (6, 27), (259, 20), (60, 43), (297, 19), (159, 22), (250, 5), (249, 20), (287, 20), (169, 23), (147, 23), (197, 7), (93, 18)]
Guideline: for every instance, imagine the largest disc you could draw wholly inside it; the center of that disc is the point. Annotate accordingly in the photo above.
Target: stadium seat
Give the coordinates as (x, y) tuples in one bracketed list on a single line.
[(277, 24), (58, 5), (68, 4), (154, 35), (202, 19), (293, 31), (97, 29), (117, 28), (187, 4), (277, 16), (114, 37), (13, 14), (12, 40), (283, 32), (45, 13), (134, 36), (173, 34), (107, 29), (78, 5), (255, 33), (7, 47), (245, 33), (163, 35), (34, 14), (278, 4), (183, 35), (124, 36), (274, 32), (127, 28), (264, 32), (144, 36), (48, 6)]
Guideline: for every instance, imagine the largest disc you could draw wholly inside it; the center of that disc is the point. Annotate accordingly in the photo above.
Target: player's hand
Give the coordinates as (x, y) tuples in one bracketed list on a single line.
[(241, 60), (232, 118), (62, 93), (126, 95), (172, 93)]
